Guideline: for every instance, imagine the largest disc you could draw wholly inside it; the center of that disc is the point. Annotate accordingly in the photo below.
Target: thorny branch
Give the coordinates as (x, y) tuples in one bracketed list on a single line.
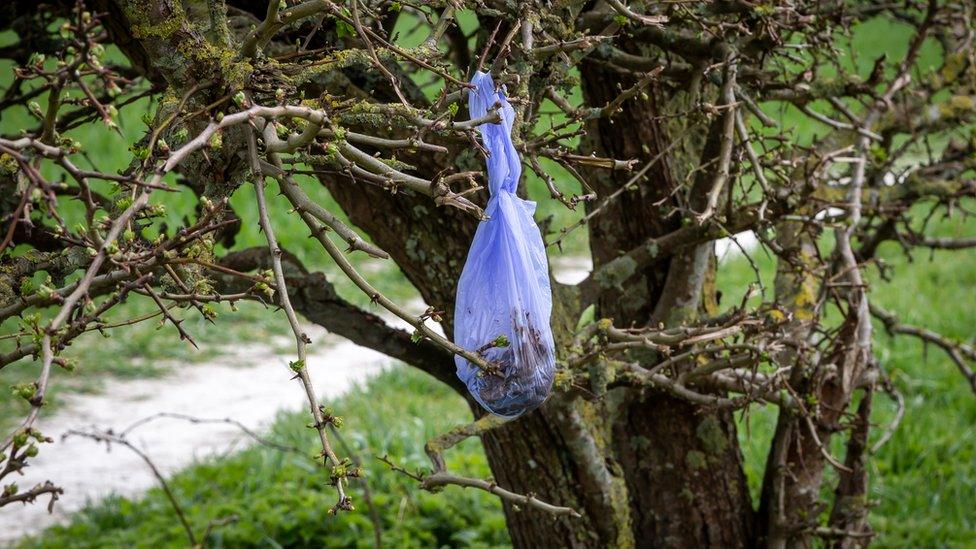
[(300, 366)]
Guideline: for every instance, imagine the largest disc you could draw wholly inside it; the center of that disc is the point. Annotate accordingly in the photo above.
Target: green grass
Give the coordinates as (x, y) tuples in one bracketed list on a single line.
[(922, 481)]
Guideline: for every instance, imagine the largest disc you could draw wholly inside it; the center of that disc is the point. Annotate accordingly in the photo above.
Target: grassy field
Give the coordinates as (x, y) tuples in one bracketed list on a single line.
[(922, 481)]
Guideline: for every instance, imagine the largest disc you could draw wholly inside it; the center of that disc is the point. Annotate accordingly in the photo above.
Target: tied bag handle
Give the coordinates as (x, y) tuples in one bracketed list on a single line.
[(504, 166)]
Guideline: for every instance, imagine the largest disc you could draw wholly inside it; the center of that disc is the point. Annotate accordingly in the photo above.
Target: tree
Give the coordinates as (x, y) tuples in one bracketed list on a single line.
[(673, 148)]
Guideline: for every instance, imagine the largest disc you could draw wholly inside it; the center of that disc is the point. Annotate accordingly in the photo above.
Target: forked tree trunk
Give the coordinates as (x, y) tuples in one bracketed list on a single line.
[(643, 469), (686, 484)]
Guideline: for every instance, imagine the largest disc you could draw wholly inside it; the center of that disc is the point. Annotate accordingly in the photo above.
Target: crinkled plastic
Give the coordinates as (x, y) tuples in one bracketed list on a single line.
[(504, 288)]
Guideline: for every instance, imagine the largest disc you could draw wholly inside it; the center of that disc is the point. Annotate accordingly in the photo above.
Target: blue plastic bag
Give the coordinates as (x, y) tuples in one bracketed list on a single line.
[(504, 300)]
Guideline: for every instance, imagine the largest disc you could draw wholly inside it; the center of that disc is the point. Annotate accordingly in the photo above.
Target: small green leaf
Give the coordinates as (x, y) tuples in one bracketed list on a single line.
[(589, 314)]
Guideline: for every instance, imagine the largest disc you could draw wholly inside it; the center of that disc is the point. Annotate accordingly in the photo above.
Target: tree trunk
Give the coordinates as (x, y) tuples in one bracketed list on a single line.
[(643, 469)]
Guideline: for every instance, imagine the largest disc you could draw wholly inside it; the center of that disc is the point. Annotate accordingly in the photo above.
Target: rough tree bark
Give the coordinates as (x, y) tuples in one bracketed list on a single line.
[(605, 458)]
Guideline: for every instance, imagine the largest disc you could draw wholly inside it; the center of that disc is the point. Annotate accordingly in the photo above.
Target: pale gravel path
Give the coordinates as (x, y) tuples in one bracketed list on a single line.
[(249, 383)]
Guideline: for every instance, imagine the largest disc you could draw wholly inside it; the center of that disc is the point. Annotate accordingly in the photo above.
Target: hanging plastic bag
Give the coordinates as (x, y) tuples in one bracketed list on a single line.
[(504, 300)]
